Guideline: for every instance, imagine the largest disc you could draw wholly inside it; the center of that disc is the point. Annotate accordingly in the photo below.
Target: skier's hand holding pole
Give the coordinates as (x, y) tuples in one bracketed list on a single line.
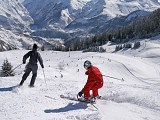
[(44, 74)]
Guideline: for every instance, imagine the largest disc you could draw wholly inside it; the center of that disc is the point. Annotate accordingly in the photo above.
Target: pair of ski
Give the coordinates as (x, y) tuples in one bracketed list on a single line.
[(79, 100)]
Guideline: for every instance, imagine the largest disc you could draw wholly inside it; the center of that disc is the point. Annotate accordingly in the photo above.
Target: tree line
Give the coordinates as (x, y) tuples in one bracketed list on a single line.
[(144, 27), (127, 46)]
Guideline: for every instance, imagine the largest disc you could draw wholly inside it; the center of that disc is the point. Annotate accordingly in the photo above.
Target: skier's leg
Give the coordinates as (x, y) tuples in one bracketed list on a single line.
[(34, 75), (95, 92), (87, 94), (95, 88), (24, 77), (33, 79), (86, 89)]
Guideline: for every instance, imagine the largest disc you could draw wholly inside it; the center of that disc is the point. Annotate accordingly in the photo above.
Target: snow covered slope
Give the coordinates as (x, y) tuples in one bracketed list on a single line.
[(135, 98)]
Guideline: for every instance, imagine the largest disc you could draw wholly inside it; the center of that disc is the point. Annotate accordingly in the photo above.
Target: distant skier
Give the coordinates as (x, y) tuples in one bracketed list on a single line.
[(32, 65), (94, 82)]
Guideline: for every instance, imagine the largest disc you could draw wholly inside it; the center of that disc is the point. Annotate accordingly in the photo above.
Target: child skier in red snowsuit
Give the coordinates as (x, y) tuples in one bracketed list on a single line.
[(94, 82)]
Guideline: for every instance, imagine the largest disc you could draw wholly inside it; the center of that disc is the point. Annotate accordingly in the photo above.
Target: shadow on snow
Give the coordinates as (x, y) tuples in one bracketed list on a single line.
[(6, 89), (67, 108)]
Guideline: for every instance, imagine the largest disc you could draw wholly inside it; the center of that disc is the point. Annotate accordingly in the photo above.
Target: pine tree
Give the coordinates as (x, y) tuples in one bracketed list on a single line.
[(101, 49), (127, 45), (117, 48), (7, 69), (136, 45)]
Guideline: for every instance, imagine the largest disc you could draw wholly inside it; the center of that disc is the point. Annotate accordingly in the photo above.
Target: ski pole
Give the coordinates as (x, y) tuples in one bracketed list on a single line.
[(44, 77), (113, 77), (17, 67), (14, 69)]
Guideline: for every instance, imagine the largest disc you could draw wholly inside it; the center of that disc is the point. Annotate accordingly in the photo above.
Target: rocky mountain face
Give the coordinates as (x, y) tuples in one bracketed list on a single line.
[(14, 16), (82, 17), (14, 21), (54, 13)]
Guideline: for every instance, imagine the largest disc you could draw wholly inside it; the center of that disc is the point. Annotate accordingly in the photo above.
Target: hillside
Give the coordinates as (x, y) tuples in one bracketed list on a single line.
[(135, 98)]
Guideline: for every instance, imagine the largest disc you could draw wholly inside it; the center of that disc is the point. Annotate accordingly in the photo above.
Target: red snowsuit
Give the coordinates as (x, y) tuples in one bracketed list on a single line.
[(94, 82)]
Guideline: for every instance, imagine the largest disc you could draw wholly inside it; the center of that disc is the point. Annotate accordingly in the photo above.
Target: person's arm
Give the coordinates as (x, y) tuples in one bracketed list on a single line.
[(89, 82), (25, 57), (40, 60)]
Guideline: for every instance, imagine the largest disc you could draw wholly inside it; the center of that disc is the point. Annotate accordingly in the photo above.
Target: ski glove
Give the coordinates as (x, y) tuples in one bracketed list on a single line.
[(80, 94)]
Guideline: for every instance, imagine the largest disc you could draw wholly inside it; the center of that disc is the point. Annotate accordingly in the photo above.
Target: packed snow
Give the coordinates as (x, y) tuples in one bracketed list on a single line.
[(135, 98)]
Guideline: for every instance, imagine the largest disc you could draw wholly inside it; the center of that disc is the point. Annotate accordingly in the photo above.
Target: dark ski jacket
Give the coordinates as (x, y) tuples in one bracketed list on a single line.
[(34, 58)]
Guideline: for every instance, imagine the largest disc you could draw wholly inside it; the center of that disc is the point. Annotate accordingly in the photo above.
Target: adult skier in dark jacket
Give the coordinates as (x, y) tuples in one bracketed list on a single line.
[(94, 81), (32, 65)]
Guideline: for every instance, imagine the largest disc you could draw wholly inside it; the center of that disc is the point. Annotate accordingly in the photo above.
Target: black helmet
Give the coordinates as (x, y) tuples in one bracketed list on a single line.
[(87, 64), (35, 47)]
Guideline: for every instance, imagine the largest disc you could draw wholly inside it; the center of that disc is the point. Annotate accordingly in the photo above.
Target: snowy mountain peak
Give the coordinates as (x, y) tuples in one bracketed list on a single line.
[(62, 12), (14, 15), (54, 13), (14, 21)]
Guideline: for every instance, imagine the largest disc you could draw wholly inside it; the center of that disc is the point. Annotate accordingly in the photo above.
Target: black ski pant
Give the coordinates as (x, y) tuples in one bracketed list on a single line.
[(30, 68)]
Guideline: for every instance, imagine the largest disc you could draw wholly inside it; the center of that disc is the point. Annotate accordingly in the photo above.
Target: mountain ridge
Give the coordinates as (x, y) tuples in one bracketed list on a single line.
[(14, 21), (81, 16)]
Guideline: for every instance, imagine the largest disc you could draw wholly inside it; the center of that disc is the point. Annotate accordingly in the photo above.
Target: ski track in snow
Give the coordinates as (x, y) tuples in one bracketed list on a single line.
[(137, 98)]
